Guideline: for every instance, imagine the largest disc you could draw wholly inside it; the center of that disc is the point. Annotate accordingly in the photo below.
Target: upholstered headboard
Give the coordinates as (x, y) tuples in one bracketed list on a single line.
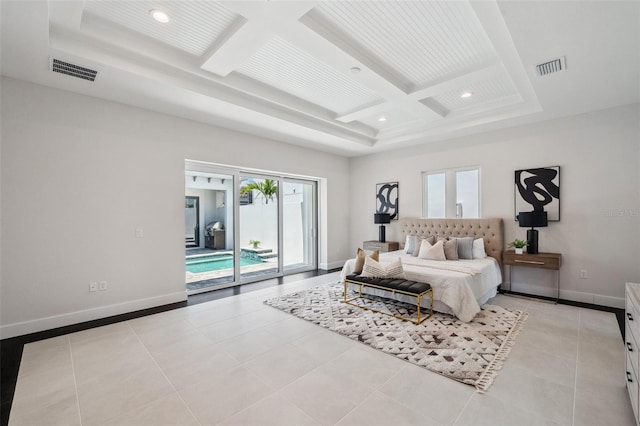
[(491, 230)]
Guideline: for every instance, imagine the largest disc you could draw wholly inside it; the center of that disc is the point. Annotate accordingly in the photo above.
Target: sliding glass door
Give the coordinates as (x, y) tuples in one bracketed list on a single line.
[(209, 230), (299, 225), (259, 227), (247, 226)]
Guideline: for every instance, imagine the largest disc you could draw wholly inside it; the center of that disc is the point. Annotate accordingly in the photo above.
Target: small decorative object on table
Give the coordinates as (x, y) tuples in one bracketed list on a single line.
[(254, 243), (518, 245)]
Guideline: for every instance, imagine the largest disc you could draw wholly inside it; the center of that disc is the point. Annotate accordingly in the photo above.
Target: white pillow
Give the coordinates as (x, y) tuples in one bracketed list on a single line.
[(419, 239), (410, 244), (431, 252), (373, 269), (478, 249)]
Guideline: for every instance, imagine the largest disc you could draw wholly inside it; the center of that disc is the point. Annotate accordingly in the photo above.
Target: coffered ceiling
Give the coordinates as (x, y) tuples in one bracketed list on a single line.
[(350, 77)]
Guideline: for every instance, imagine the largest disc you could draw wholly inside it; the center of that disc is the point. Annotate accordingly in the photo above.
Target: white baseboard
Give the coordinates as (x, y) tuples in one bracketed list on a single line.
[(592, 298), (48, 323), (574, 296), (614, 302)]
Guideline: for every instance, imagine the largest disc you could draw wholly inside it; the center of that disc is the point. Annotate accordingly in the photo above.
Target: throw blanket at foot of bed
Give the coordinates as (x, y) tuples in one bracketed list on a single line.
[(402, 286)]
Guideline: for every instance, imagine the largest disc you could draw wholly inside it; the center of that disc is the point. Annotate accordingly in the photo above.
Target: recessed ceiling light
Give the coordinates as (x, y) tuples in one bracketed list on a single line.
[(382, 119), (159, 15), (354, 70), (466, 95)]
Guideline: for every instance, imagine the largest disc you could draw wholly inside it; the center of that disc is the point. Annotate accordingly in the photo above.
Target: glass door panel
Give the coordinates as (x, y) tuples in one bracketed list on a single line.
[(298, 225), (191, 221), (259, 230), (209, 262)]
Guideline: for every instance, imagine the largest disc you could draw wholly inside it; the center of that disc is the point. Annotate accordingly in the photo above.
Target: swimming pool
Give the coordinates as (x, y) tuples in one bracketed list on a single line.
[(210, 263)]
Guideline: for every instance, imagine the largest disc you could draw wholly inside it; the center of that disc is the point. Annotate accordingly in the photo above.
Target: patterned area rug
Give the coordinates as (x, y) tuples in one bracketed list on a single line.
[(471, 353)]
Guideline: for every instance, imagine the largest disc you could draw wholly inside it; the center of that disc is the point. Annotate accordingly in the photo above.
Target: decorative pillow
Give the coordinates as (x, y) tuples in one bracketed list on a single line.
[(465, 247), (478, 249), (419, 240), (374, 269), (410, 244), (450, 248), (432, 252), (360, 257)]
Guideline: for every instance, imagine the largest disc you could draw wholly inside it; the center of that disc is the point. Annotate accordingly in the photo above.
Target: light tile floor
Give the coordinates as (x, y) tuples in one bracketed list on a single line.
[(236, 361)]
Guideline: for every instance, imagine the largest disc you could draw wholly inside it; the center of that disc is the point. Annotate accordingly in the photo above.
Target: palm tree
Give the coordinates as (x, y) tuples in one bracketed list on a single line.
[(267, 188)]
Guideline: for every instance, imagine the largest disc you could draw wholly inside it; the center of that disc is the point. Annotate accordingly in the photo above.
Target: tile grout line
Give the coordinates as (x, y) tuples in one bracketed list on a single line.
[(73, 328), (378, 389), (278, 391), (163, 375), (575, 379), (462, 410), (75, 380)]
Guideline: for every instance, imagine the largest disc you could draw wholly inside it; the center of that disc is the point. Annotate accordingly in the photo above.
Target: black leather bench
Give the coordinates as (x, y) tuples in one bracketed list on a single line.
[(394, 285)]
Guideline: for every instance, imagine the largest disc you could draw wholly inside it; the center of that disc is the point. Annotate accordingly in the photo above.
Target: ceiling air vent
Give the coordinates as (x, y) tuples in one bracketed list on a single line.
[(552, 66), (62, 67)]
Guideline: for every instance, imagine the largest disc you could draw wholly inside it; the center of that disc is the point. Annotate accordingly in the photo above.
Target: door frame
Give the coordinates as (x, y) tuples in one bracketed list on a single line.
[(236, 172)]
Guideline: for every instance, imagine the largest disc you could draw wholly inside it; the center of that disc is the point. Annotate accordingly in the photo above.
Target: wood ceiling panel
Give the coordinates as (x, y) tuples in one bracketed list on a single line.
[(285, 67), (422, 41), (194, 26), (498, 86)]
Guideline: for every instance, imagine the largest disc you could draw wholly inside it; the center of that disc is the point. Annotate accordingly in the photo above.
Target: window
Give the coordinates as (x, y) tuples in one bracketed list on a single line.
[(452, 193)]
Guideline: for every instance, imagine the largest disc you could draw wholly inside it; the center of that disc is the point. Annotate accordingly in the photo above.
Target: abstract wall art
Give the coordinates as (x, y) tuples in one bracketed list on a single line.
[(538, 189), (387, 199)]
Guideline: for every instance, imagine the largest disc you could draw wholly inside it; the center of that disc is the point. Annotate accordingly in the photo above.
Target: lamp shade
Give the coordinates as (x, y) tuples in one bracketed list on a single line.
[(534, 219), (382, 218)]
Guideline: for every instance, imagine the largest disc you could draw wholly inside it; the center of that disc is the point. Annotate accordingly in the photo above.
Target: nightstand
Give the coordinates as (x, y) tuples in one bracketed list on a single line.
[(382, 247), (551, 261)]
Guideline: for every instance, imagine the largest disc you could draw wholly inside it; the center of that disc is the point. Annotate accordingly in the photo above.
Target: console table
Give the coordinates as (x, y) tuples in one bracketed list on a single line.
[(382, 247), (550, 261)]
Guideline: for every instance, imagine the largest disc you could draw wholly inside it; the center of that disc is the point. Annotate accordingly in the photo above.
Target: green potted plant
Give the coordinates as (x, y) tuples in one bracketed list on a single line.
[(254, 243), (518, 245)]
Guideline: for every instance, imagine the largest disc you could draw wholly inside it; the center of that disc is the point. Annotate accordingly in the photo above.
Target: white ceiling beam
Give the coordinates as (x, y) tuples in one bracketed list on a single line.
[(257, 24), (492, 21), (459, 80), (320, 39), (444, 84), (66, 14), (260, 21), (365, 112)]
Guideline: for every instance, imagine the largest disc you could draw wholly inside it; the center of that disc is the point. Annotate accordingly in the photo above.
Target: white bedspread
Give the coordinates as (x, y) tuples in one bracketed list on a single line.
[(459, 284)]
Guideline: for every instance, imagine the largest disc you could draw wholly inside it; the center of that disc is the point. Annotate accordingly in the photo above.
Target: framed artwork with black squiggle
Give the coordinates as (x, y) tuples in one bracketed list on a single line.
[(538, 190), (387, 199)]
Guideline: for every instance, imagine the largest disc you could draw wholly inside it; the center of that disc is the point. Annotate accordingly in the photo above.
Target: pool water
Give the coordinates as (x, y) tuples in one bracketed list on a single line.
[(214, 263)]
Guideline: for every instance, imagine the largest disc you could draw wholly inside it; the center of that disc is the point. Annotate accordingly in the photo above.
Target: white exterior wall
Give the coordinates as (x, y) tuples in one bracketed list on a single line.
[(79, 175), (599, 162), (259, 221)]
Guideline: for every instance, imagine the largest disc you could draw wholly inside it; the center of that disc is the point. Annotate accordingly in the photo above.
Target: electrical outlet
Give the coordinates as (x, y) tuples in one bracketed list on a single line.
[(93, 286), (139, 233), (102, 286), (583, 274)]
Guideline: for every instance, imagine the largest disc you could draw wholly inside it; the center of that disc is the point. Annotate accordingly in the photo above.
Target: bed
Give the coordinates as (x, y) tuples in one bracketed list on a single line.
[(460, 287)]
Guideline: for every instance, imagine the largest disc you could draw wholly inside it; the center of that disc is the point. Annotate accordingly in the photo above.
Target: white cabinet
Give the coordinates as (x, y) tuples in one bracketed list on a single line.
[(632, 337)]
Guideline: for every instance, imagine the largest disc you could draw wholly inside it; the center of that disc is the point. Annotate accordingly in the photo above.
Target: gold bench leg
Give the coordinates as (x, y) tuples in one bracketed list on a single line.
[(418, 300)]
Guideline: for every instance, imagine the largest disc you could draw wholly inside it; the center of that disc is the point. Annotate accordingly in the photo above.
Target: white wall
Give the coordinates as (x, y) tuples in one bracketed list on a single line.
[(80, 175), (599, 158)]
